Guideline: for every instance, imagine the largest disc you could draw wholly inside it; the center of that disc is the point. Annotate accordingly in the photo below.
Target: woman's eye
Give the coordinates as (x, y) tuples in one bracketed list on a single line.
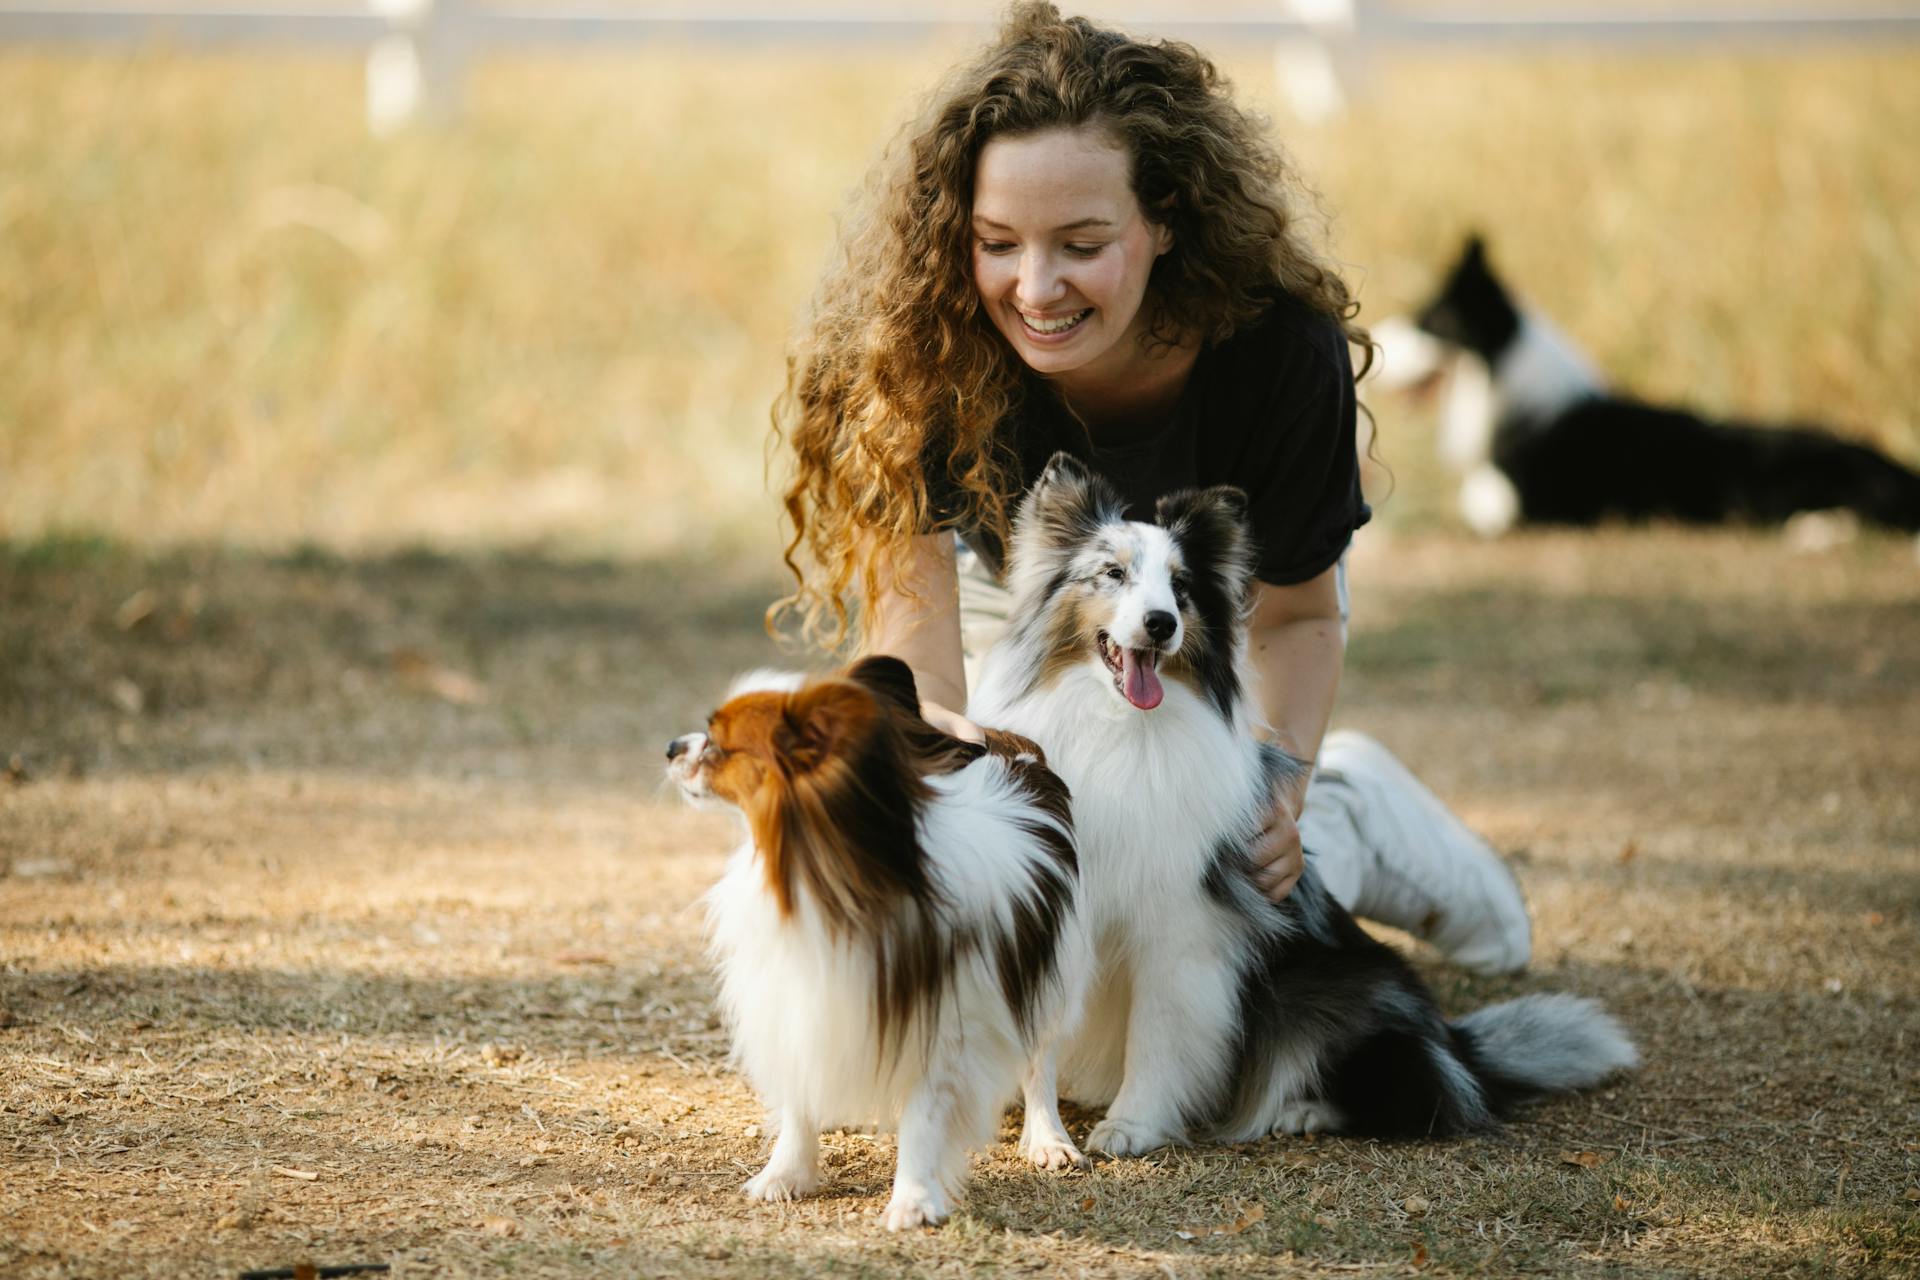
[(1085, 250), (996, 247)]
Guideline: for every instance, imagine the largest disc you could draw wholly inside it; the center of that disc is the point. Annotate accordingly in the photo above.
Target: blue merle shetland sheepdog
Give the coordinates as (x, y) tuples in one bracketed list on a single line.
[(1215, 1012), (1538, 436)]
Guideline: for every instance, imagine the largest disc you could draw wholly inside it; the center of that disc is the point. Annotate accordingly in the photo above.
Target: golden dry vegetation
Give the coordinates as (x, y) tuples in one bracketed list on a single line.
[(372, 513), (230, 316)]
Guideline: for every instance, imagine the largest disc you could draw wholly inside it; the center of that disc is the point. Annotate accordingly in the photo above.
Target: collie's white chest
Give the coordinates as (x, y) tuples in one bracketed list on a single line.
[(1154, 792)]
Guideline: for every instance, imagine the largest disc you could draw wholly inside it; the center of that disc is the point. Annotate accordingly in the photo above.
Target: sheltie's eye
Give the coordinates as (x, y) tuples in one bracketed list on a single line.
[(1182, 588), (1115, 572)]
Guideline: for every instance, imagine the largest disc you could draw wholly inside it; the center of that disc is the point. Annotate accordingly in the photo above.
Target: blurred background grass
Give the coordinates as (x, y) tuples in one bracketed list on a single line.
[(228, 315)]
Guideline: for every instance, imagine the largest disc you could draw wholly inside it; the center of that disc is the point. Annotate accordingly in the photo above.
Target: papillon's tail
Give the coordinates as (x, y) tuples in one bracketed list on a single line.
[(1541, 1044)]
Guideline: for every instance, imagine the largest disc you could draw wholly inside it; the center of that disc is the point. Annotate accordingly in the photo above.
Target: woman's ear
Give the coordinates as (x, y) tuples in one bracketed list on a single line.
[(1162, 224)]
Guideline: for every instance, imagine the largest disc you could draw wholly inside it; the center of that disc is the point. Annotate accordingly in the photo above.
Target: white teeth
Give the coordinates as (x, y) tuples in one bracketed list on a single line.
[(1055, 326)]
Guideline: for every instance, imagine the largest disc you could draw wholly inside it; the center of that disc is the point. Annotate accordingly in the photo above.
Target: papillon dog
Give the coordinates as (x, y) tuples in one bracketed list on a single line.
[(898, 937), (1536, 435), (1216, 1012)]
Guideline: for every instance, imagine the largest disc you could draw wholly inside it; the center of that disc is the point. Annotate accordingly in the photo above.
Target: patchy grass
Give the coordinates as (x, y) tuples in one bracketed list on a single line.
[(344, 920)]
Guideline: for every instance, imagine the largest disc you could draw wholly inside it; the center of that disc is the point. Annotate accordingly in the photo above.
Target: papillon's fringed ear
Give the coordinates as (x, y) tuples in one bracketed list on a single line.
[(823, 720), (892, 684), (1068, 502), (888, 678)]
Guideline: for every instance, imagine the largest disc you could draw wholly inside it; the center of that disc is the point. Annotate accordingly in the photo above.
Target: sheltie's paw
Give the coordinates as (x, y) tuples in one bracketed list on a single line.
[(913, 1207), (1307, 1117), (1121, 1137), (1055, 1152), (780, 1184)]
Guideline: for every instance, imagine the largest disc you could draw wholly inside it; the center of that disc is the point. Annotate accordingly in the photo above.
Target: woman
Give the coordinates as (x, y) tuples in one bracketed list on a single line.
[(1085, 245)]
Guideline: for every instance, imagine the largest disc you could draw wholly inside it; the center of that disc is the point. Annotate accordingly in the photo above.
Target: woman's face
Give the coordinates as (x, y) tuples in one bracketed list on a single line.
[(1061, 251)]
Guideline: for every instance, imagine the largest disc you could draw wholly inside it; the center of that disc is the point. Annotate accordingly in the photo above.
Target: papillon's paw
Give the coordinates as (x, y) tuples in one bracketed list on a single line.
[(1307, 1117), (913, 1207), (781, 1184), (1119, 1136), (1055, 1151)]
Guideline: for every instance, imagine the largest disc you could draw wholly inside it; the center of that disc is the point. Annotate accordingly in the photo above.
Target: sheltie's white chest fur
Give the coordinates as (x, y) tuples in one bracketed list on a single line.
[(1156, 795), (1155, 792)]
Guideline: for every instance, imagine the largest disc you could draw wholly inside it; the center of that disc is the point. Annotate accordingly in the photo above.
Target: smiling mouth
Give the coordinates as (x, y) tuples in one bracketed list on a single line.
[(1054, 328), (1135, 672)]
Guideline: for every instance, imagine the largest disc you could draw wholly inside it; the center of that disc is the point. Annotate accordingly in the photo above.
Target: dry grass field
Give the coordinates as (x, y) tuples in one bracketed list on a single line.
[(370, 515), (369, 935)]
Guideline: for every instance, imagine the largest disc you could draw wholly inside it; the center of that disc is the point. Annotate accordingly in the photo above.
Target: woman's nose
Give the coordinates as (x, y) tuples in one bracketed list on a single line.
[(1039, 283)]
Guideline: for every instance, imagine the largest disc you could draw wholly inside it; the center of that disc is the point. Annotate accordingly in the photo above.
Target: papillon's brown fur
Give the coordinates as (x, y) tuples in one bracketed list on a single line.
[(829, 787)]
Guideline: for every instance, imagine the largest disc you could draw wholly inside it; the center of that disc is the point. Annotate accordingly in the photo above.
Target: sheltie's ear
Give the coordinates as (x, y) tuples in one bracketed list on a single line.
[(1210, 527), (889, 679), (1067, 503), (1220, 502), (1063, 470), (827, 718)]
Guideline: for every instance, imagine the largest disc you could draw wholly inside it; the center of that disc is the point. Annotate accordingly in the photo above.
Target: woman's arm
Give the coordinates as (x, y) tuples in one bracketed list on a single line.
[(1297, 649), (919, 622)]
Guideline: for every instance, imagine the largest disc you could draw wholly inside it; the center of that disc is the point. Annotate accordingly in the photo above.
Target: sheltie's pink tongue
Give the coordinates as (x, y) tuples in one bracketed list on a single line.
[(1139, 681)]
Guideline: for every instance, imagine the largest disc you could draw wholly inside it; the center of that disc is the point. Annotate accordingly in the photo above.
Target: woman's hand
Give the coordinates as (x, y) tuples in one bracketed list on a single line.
[(1277, 856), (953, 724)]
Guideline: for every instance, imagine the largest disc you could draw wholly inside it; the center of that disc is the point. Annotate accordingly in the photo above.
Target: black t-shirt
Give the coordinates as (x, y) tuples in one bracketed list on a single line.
[(1270, 410)]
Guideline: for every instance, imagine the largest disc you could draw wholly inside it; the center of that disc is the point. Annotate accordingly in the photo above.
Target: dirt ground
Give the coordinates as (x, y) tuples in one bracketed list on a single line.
[(344, 919)]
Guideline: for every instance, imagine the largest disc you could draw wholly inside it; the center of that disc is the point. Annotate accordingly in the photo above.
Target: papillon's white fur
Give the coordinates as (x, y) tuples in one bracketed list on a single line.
[(898, 937), (1215, 1011)]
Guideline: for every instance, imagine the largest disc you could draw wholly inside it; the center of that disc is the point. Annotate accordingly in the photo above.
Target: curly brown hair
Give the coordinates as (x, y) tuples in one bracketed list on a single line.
[(899, 369)]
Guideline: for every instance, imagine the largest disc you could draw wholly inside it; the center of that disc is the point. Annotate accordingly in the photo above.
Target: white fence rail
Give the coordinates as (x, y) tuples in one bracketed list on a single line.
[(419, 48)]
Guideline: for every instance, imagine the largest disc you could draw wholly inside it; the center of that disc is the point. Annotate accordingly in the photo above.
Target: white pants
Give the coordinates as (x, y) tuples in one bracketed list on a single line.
[(1384, 845)]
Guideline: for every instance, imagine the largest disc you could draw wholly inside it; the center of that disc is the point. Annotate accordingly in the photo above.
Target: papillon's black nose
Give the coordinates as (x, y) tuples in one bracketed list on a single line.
[(1160, 625), (676, 748)]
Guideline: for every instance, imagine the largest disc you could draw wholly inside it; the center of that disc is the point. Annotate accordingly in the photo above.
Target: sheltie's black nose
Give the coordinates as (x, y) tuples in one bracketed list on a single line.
[(676, 748), (1160, 625)]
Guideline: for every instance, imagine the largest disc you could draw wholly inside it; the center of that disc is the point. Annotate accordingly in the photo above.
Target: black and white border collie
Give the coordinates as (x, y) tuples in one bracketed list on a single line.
[(1215, 1012), (1538, 436)]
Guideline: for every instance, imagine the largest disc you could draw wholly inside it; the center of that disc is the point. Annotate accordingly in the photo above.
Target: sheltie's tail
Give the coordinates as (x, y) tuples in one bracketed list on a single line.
[(1541, 1044)]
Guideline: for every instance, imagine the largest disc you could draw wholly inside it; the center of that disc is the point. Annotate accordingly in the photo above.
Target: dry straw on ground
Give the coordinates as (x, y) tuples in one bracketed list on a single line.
[(305, 960)]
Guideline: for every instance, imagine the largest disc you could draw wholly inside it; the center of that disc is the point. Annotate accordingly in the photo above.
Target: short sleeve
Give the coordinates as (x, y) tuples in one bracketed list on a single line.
[(1300, 467)]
